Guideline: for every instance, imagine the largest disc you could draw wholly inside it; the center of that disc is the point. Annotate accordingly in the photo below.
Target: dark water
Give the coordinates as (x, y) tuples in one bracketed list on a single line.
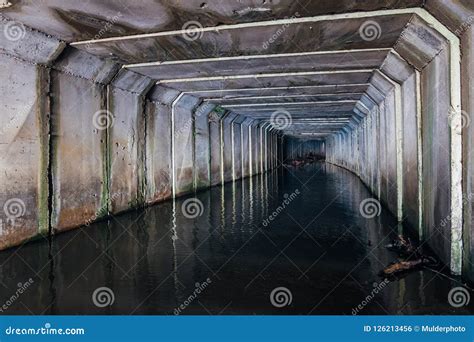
[(157, 260)]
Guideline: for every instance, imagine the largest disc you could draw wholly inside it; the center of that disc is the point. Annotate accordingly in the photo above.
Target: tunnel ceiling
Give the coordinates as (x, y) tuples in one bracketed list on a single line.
[(316, 62)]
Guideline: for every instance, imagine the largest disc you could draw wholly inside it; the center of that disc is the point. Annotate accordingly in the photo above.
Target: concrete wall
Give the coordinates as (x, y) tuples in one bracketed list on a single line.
[(402, 149), (82, 139), (23, 150)]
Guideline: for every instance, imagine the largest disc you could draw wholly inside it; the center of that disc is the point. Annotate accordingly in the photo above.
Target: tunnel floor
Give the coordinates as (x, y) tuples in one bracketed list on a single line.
[(318, 248)]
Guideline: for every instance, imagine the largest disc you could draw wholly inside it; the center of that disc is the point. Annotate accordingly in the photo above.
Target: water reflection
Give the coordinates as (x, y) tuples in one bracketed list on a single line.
[(157, 260)]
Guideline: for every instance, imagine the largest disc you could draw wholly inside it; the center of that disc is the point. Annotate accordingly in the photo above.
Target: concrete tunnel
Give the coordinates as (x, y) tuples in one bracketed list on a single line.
[(114, 105)]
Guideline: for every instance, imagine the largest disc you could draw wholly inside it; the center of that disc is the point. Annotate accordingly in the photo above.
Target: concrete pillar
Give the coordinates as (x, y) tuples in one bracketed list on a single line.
[(80, 124), (246, 161), (126, 105), (183, 144), (237, 147), (158, 144), (215, 141), (227, 161), (202, 173), (24, 129)]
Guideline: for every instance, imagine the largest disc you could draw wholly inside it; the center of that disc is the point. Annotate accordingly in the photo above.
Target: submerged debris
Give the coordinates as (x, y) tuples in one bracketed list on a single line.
[(404, 266), (412, 260), (308, 159), (404, 247)]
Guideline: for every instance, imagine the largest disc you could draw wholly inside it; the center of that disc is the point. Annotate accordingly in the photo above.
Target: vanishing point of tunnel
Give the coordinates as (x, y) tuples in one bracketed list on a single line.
[(236, 157)]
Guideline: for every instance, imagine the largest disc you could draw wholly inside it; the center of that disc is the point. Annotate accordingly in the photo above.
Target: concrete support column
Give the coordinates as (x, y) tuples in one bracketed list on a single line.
[(159, 175), (183, 144), (24, 135), (202, 167)]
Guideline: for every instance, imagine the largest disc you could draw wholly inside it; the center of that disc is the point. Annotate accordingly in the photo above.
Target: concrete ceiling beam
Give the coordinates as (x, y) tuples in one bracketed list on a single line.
[(84, 65), (258, 64), (252, 38), (280, 91)]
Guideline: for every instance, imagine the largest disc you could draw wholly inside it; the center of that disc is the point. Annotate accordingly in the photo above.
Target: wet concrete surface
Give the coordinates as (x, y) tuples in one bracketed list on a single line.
[(240, 247)]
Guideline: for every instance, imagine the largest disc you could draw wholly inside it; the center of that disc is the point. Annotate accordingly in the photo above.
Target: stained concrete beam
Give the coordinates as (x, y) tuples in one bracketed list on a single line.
[(456, 15), (271, 80), (279, 91), (287, 99), (375, 94), (163, 95), (381, 84), (22, 42), (132, 82), (82, 64), (108, 18), (396, 68), (419, 43), (311, 109), (298, 116), (267, 63), (234, 40)]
